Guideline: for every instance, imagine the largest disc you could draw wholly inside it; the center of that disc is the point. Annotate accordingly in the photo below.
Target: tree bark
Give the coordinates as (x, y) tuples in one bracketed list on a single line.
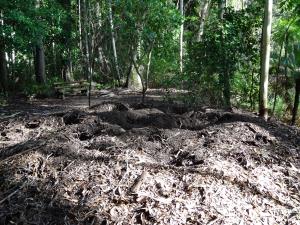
[(202, 15), (181, 38), (225, 71), (87, 57), (222, 5), (296, 101), (128, 75), (83, 31), (251, 91), (147, 75), (67, 27), (80, 26), (3, 62), (113, 40), (3, 68), (39, 58), (39, 62), (265, 60)]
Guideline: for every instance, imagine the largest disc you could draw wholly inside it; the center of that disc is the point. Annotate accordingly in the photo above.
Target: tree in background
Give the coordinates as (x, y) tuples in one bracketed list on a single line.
[(265, 60), (181, 7), (113, 42), (218, 66)]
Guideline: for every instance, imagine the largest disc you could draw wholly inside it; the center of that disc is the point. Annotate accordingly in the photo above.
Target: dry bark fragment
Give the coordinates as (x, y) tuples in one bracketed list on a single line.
[(138, 182)]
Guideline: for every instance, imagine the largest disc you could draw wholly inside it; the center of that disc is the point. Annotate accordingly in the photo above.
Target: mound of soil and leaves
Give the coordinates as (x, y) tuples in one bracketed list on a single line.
[(121, 162)]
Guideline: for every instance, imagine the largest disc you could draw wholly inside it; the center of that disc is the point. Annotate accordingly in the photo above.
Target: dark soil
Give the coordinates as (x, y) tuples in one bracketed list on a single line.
[(123, 162)]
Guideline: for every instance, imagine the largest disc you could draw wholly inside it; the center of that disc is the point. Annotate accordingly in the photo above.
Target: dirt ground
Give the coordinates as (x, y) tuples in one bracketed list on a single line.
[(123, 162)]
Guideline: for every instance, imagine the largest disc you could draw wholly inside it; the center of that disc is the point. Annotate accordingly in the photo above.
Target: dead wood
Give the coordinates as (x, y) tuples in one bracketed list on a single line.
[(138, 182)]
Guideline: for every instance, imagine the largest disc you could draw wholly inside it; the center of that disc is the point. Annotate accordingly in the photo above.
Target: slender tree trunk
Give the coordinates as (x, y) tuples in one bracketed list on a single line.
[(284, 42), (3, 62), (145, 88), (87, 58), (296, 101), (39, 62), (222, 5), (202, 15), (225, 71), (113, 40), (265, 60), (39, 58), (3, 68), (277, 77), (80, 25), (83, 30), (227, 90), (128, 75), (138, 72), (67, 28), (287, 97), (54, 59), (181, 38), (251, 91), (86, 37)]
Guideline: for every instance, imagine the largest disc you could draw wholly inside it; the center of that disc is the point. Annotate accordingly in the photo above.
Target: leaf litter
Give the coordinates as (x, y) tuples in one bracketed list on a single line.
[(121, 162)]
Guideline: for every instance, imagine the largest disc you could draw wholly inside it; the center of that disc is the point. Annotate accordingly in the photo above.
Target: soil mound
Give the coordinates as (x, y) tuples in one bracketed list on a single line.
[(129, 163)]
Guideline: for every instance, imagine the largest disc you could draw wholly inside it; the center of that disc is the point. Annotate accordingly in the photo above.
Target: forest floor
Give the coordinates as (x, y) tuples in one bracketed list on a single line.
[(122, 162)]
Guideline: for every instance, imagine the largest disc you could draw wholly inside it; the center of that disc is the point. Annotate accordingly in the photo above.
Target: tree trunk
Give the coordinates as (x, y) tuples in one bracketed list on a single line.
[(202, 15), (181, 38), (87, 58), (222, 5), (225, 71), (113, 40), (39, 63), (80, 26), (296, 102), (126, 85), (265, 60), (67, 28), (39, 57), (83, 33), (3, 68), (227, 90), (3, 62), (252, 106), (135, 81), (145, 87)]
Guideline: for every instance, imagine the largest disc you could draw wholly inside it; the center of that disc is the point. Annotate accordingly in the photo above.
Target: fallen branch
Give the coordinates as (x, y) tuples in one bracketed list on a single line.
[(10, 116), (11, 194)]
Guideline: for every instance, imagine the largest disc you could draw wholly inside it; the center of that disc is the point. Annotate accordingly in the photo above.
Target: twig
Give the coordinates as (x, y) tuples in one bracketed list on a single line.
[(10, 116), (11, 194), (16, 152)]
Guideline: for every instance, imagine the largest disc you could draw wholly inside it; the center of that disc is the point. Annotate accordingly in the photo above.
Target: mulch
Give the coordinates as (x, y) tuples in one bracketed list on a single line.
[(129, 163)]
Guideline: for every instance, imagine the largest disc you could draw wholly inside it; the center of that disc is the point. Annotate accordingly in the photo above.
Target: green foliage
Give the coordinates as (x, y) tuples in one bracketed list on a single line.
[(230, 45), (38, 90), (24, 22), (147, 25), (3, 100), (103, 86)]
